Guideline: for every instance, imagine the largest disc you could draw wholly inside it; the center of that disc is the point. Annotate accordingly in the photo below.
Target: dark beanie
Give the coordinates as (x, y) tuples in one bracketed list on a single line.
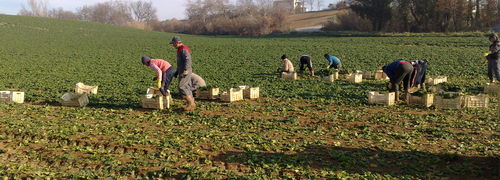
[(494, 36), (145, 60), (284, 56)]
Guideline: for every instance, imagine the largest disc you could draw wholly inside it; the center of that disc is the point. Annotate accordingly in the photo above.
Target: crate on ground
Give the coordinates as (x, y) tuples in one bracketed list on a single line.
[(289, 76), (74, 100), (85, 89), (448, 103), (380, 75), (234, 94), (425, 100), (378, 98), (492, 88), (155, 100), (479, 101), (355, 78), (437, 80), (368, 75), (12, 96), (208, 93), (251, 92)]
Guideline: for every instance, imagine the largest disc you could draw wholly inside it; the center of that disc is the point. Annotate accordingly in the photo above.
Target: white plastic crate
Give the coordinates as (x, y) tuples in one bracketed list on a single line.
[(479, 101), (368, 75), (81, 88), (443, 103), (437, 80), (251, 93), (426, 100), (234, 94), (74, 100), (385, 99), (380, 75), (156, 102), (12, 96), (289, 76), (355, 78), (210, 93)]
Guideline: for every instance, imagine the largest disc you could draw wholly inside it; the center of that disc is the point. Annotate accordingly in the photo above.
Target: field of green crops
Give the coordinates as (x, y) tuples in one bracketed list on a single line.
[(303, 129)]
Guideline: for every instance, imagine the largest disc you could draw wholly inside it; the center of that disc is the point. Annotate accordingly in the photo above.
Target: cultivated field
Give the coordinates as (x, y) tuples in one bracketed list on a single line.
[(303, 129)]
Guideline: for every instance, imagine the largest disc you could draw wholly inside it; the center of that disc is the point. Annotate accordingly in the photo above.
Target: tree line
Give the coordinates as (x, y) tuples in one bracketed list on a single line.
[(419, 15)]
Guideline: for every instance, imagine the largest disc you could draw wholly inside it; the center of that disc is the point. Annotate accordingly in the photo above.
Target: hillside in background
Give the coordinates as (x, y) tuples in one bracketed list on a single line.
[(312, 19)]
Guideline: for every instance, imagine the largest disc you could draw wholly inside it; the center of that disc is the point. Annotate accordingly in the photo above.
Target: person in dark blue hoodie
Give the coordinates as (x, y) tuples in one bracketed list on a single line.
[(399, 71), (494, 58)]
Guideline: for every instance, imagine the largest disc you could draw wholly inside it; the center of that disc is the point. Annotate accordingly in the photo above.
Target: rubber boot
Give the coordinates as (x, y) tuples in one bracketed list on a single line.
[(397, 96), (190, 106)]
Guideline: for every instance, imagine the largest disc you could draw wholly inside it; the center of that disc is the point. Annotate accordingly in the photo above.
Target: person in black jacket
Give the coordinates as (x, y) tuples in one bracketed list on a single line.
[(399, 72), (494, 59)]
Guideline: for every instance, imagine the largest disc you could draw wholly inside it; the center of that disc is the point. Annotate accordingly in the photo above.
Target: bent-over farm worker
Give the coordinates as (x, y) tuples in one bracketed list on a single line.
[(196, 82), (287, 65), (419, 73), (306, 60), (494, 58), (333, 62), (184, 71), (164, 72), (399, 71)]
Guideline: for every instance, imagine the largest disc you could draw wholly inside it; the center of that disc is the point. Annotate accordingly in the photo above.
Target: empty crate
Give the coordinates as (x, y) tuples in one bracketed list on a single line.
[(74, 100), (385, 99), (251, 93), (210, 93), (355, 78), (12, 96), (234, 94), (426, 100), (437, 80), (85, 89)]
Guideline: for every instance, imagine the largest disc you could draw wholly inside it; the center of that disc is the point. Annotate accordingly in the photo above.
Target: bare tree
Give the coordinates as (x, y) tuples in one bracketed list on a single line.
[(62, 14), (319, 3), (36, 8), (143, 11), (309, 3)]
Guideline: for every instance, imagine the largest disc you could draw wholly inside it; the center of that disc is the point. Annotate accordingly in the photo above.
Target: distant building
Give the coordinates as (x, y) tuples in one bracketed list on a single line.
[(295, 6)]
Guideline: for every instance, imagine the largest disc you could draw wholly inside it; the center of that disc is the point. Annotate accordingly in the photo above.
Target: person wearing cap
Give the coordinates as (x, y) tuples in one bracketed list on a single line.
[(493, 58), (287, 65), (164, 72), (306, 60), (399, 71), (333, 62), (184, 72)]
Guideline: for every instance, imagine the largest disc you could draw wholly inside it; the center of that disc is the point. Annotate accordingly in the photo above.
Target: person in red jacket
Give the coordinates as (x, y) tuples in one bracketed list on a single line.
[(184, 71)]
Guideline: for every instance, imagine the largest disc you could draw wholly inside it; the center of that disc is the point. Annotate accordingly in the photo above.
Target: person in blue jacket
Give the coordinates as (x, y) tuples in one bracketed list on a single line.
[(333, 62), (493, 58), (399, 71)]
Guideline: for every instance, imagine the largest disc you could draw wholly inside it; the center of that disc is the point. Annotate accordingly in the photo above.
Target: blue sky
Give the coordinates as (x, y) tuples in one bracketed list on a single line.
[(167, 9)]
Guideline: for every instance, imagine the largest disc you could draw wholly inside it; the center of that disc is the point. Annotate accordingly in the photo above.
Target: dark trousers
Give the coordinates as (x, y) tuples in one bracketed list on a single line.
[(402, 74), (167, 78), (494, 69)]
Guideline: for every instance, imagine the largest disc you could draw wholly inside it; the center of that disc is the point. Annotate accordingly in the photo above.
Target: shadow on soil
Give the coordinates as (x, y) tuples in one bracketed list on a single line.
[(361, 160)]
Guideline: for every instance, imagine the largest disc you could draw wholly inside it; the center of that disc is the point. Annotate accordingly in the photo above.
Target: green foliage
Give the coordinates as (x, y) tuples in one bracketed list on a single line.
[(301, 129)]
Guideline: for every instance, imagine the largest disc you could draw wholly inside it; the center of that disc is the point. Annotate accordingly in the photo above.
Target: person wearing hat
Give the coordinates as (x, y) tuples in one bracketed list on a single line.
[(164, 72), (494, 59), (333, 62), (306, 60), (287, 65), (399, 71), (184, 71)]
